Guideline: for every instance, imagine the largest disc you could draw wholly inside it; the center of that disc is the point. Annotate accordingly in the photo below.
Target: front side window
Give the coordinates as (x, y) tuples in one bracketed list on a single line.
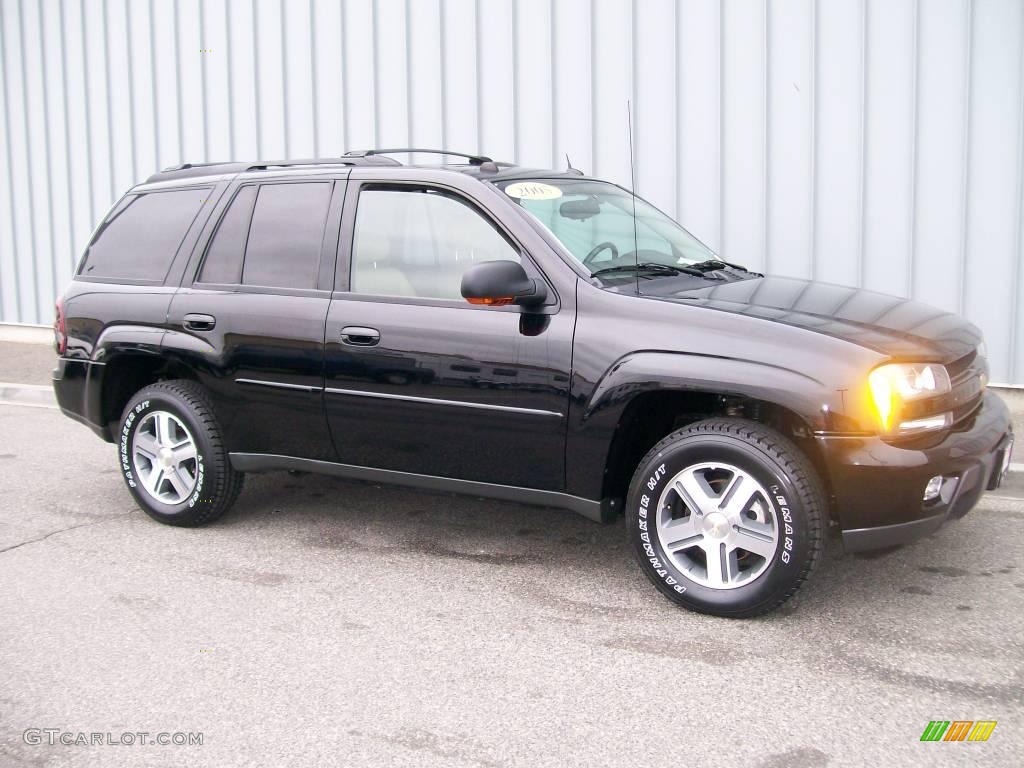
[(418, 242), (142, 234), (594, 221)]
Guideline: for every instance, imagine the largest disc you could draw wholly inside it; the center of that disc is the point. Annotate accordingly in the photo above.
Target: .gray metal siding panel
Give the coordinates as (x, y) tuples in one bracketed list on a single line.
[(864, 141)]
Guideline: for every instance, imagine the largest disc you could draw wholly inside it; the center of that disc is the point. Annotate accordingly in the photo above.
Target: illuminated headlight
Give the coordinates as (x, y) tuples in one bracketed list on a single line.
[(897, 384)]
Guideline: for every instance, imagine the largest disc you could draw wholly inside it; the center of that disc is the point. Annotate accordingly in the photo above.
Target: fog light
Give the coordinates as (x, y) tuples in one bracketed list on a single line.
[(933, 489)]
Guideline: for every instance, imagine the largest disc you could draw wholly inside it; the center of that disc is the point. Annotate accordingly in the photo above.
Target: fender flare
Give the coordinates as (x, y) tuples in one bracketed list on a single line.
[(114, 343), (648, 371), (116, 340), (596, 414)]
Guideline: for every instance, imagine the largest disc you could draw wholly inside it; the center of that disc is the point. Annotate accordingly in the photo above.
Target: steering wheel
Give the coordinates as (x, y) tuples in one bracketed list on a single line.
[(607, 245)]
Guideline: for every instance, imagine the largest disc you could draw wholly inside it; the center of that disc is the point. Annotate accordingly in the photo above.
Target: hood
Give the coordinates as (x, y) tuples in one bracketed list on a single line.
[(901, 328)]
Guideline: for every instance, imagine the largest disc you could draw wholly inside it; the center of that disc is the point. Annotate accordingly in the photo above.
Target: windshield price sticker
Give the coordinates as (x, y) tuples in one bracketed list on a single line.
[(532, 190)]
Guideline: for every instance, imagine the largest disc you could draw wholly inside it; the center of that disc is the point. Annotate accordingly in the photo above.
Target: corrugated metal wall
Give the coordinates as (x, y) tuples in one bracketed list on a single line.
[(872, 142)]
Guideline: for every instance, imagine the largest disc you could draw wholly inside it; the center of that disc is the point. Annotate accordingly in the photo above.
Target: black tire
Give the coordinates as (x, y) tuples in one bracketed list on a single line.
[(216, 484), (794, 495)]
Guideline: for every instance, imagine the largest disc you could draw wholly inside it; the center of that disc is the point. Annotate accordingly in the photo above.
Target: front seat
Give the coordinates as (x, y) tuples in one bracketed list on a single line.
[(375, 272)]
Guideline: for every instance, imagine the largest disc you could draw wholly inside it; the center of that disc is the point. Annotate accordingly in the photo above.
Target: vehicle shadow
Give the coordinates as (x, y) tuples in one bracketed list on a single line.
[(341, 513), (328, 513), (355, 516)]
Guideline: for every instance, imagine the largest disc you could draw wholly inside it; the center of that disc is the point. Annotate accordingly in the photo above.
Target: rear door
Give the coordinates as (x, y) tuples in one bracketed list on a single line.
[(250, 316)]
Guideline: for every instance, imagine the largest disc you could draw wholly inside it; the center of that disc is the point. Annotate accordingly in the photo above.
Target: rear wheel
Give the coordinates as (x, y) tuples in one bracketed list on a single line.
[(725, 517), (172, 456)]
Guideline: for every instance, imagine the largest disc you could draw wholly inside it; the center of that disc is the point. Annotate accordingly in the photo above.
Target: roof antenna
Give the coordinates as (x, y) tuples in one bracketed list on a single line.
[(632, 184), (569, 168)]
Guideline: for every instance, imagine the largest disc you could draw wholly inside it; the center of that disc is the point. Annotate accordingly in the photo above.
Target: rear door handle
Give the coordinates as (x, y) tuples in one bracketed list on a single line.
[(199, 322), (357, 336)]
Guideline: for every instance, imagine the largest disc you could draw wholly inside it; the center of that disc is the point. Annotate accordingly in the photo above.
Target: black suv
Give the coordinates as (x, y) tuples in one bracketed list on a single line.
[(518, 334)]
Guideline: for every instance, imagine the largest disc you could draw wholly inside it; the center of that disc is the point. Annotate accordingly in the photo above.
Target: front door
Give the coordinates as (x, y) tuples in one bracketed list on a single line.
[(418, 380)]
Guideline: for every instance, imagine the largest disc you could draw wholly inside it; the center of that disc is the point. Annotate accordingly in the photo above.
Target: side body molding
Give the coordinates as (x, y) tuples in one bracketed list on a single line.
[(261, 462)]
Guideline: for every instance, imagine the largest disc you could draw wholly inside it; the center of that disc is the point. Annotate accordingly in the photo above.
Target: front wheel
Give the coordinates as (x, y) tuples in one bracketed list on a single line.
[(725, 516), (172, 456)]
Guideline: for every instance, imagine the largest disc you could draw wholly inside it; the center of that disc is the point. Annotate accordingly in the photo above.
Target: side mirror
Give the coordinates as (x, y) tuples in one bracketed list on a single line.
[(498, 283)]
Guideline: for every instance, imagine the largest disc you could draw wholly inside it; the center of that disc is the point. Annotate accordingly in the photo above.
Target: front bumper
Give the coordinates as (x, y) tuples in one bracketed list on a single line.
[(879, 486)]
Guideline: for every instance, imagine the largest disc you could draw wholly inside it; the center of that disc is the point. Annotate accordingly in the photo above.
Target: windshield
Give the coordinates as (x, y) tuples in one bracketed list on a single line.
[(594, 221)]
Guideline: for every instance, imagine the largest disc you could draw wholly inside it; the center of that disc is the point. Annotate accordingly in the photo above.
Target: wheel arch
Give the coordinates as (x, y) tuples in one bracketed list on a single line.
[(650, 416), (127, 373), (125, 359), (647, 395)]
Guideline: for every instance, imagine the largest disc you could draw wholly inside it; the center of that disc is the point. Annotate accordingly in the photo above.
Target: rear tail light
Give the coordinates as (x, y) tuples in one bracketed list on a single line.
[(60, 335)]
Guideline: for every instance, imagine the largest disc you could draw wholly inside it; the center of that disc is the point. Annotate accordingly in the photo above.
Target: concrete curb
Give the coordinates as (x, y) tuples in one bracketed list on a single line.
[(32, 395), (26, 334)]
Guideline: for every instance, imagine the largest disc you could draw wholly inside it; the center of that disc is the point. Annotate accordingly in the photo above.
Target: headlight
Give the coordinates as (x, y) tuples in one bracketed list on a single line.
[(896, 384)]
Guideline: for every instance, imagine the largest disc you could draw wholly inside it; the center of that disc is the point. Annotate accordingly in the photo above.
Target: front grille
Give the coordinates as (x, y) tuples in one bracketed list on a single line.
[(963, 411), (957, 367), (967, 376)]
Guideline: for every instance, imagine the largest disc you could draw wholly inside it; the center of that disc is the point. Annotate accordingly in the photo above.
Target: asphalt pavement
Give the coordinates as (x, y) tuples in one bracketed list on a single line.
[(326, 622)]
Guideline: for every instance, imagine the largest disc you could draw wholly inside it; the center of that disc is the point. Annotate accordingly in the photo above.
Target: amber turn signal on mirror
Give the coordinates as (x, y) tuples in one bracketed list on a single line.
[(491, 301)]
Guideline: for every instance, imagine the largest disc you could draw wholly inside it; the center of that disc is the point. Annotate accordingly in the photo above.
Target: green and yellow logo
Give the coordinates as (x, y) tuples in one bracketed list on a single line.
[(958, 730)]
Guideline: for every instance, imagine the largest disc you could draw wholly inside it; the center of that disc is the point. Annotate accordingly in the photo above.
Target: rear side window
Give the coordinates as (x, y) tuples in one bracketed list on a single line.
[(223, 262), (287, 230), (139, 239)]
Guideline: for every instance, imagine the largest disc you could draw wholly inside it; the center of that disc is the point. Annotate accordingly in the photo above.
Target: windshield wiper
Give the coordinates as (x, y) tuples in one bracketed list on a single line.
[(650, 266), (712, 264)]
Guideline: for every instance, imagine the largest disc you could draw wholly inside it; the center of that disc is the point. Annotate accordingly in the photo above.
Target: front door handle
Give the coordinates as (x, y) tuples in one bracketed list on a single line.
[(357, 336), (199, 322)]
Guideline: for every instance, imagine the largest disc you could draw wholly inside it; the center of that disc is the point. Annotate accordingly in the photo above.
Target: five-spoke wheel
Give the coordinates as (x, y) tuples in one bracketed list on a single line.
[(716, 525), (165, 457)]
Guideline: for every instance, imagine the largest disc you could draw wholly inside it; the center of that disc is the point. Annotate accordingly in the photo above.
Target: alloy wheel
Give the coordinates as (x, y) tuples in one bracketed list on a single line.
[(717, 525), (165, 457)]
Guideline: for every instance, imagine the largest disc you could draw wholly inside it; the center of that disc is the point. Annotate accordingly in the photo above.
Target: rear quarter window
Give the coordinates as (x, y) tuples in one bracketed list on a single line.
[(140, 237), (223, 262)]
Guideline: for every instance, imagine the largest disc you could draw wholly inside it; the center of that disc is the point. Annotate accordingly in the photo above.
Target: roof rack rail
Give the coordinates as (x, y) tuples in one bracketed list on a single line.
[(262, 165), (473, 159), (193, 170), (187, 166)]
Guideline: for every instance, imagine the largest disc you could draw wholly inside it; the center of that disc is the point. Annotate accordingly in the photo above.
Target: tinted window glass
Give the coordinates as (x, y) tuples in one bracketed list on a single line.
[(285, 235), (419, 242), (140, 237), (223, 262)]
